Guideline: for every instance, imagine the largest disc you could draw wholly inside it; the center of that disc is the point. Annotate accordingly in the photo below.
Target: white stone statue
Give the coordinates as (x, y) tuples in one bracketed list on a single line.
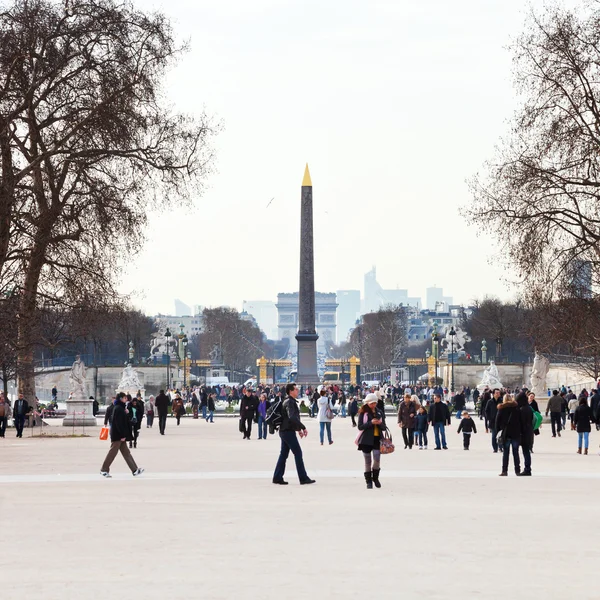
[(541, 366), (77, 378), (460, 339), (130, 380), (491, 378), (80, 410)]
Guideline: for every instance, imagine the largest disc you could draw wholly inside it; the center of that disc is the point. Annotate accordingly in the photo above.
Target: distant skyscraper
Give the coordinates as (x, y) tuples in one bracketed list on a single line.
[(347, 313), (434, 295), (375, 296), (181, 309), (265, 313), (372, 298)]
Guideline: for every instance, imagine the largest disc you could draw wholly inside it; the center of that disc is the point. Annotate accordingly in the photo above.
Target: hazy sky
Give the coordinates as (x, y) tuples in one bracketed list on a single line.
[(393, 104)]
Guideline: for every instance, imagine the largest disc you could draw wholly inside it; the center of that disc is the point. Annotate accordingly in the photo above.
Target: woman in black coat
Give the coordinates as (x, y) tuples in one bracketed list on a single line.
[(508, 427), (136, 414), (583, 423), (371, 425)]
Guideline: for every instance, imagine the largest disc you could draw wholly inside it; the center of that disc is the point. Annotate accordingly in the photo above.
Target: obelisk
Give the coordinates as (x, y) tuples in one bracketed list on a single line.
[(307, 336)]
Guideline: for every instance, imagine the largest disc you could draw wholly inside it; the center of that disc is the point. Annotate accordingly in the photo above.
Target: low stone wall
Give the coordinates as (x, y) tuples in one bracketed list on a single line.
[(517, 375)]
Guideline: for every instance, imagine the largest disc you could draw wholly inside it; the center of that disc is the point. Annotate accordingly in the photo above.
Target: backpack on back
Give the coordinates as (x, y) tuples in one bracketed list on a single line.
[(275, 416)]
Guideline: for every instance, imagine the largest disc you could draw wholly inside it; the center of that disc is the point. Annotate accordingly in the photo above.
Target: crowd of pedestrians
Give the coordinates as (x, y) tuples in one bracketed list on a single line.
[(511, 418)]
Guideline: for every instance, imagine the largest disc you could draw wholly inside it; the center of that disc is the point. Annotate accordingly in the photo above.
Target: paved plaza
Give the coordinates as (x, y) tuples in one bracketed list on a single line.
[(205, 521)]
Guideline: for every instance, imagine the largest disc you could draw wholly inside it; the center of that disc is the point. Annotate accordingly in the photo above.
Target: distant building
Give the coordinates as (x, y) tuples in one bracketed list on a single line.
[(192, 325), (325, 317), (265, 313), (376, 297), (347, 313), (181, 309), (434, 295)]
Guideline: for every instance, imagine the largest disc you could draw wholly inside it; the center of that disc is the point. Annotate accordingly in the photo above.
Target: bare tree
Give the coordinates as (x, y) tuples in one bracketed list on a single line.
[(87, 147), (380, 339), (239, 342), (540, 195)]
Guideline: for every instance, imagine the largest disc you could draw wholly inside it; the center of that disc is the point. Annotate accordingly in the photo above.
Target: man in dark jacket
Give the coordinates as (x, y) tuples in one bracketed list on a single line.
[(204, 402), (248, 406), (459, 404), (554, 407), (120, 434), (407, 411), (353, 410), (508, 421), (595, 406), (526, 431), (291, 424), (162, 403), (20, 411), (439, 415), (108, 413), (491, 411)]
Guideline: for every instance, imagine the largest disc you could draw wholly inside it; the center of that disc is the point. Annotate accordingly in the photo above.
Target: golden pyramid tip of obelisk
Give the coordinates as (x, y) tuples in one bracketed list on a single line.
[(306, 182)]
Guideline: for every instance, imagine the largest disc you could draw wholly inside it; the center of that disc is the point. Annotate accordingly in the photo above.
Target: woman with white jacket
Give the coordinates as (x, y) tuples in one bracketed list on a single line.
[(324, 423)]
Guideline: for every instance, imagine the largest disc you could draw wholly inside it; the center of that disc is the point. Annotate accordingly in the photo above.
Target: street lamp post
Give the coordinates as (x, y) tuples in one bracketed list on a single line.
[(168, 335), (452, 334), (436, 341), (185, 343)]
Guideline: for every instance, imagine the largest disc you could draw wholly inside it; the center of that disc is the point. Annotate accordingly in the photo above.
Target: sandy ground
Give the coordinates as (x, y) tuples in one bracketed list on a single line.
[(205, 521)]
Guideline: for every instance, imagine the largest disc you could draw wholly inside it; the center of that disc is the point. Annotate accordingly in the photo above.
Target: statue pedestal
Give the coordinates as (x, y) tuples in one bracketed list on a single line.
[(80, 412)]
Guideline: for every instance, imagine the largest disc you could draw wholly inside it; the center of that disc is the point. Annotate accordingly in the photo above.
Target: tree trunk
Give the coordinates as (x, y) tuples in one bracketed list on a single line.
[(5, 380), (26, 325)]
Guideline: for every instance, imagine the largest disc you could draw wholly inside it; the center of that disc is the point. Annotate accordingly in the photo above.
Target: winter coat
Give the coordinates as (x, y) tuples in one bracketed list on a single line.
[(248, 406), (323, 402), (459, 401), (491, 410), (467, 425), (439, 413), (554, 405), (162, 404), (526, 414), (595, 406), (290, 416), (211, 404), (120, 427), (365, 425), (421, 423), (108, 414), (583, 418), (508, 420), (407, 414), (353, 408), (178, 407)]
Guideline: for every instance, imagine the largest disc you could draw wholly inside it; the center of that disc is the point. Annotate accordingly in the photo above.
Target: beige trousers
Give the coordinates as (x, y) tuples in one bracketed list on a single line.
[(114, 450)]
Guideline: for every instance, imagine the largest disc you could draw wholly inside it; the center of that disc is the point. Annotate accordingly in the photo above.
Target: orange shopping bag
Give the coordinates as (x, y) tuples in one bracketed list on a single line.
[(104, 433)]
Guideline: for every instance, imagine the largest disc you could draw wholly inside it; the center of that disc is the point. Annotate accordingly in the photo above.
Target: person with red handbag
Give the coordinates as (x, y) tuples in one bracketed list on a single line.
[(372, 425)]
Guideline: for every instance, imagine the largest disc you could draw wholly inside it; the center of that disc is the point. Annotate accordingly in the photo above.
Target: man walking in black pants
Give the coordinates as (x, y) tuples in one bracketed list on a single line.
[(20, 411), (491, 411), (554, 407), (162, 404), (248, 407), (291, 424)]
